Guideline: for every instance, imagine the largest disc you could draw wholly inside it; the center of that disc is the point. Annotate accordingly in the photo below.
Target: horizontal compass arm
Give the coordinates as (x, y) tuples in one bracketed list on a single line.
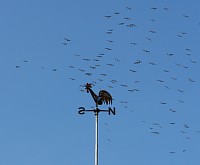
[(101, 110), (82, 110)]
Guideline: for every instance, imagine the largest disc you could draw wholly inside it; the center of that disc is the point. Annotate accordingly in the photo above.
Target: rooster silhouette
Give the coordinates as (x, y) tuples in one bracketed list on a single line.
[(103, 97)]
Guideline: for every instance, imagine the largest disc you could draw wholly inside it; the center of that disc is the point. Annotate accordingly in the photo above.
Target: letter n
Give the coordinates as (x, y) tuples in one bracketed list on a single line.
[(111, 110)]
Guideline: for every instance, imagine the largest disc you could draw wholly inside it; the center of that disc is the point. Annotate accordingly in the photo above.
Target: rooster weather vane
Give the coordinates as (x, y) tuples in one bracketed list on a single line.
[(104, 97)]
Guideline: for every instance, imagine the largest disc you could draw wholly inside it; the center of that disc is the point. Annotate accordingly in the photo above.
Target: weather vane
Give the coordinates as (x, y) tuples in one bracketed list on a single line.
[(103, 97)]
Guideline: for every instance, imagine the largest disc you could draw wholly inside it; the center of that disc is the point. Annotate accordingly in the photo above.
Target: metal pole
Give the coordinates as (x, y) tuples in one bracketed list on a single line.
[(96, 136)]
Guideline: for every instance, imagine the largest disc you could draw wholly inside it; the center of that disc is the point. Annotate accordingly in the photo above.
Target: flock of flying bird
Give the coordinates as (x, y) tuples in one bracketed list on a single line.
[(99, 68)]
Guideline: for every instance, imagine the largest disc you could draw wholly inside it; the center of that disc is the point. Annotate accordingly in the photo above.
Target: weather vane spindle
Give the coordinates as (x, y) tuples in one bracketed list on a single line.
[(103, 97)]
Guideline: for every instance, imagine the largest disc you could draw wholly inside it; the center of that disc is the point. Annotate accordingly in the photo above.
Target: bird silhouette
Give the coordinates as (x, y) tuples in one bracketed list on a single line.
[(103, 97)]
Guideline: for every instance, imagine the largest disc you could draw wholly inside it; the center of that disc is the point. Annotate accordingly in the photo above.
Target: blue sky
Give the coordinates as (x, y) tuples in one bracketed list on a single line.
[(146, 55)]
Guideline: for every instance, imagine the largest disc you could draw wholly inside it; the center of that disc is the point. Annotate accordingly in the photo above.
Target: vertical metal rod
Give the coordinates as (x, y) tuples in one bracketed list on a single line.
[(96, 136)]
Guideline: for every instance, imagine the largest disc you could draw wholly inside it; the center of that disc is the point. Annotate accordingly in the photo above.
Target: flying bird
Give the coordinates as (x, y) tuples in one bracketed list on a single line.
[(152, 31), (155, 132), (163, 102), (127, 18), (146, 51), (186, 16), (131, 70), (194, 62), (108, 49), (189, 79), (161, 81), (122, 23), (64, 43), (133, 43), (172, 152), (103, 97), (88, 74), (110, 41), (131, 25), (170, 54), (129, 8), (152, 63), (67, 39), (116, 13), (108, 16), (172, 110), (103, 74), (137, 62)]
